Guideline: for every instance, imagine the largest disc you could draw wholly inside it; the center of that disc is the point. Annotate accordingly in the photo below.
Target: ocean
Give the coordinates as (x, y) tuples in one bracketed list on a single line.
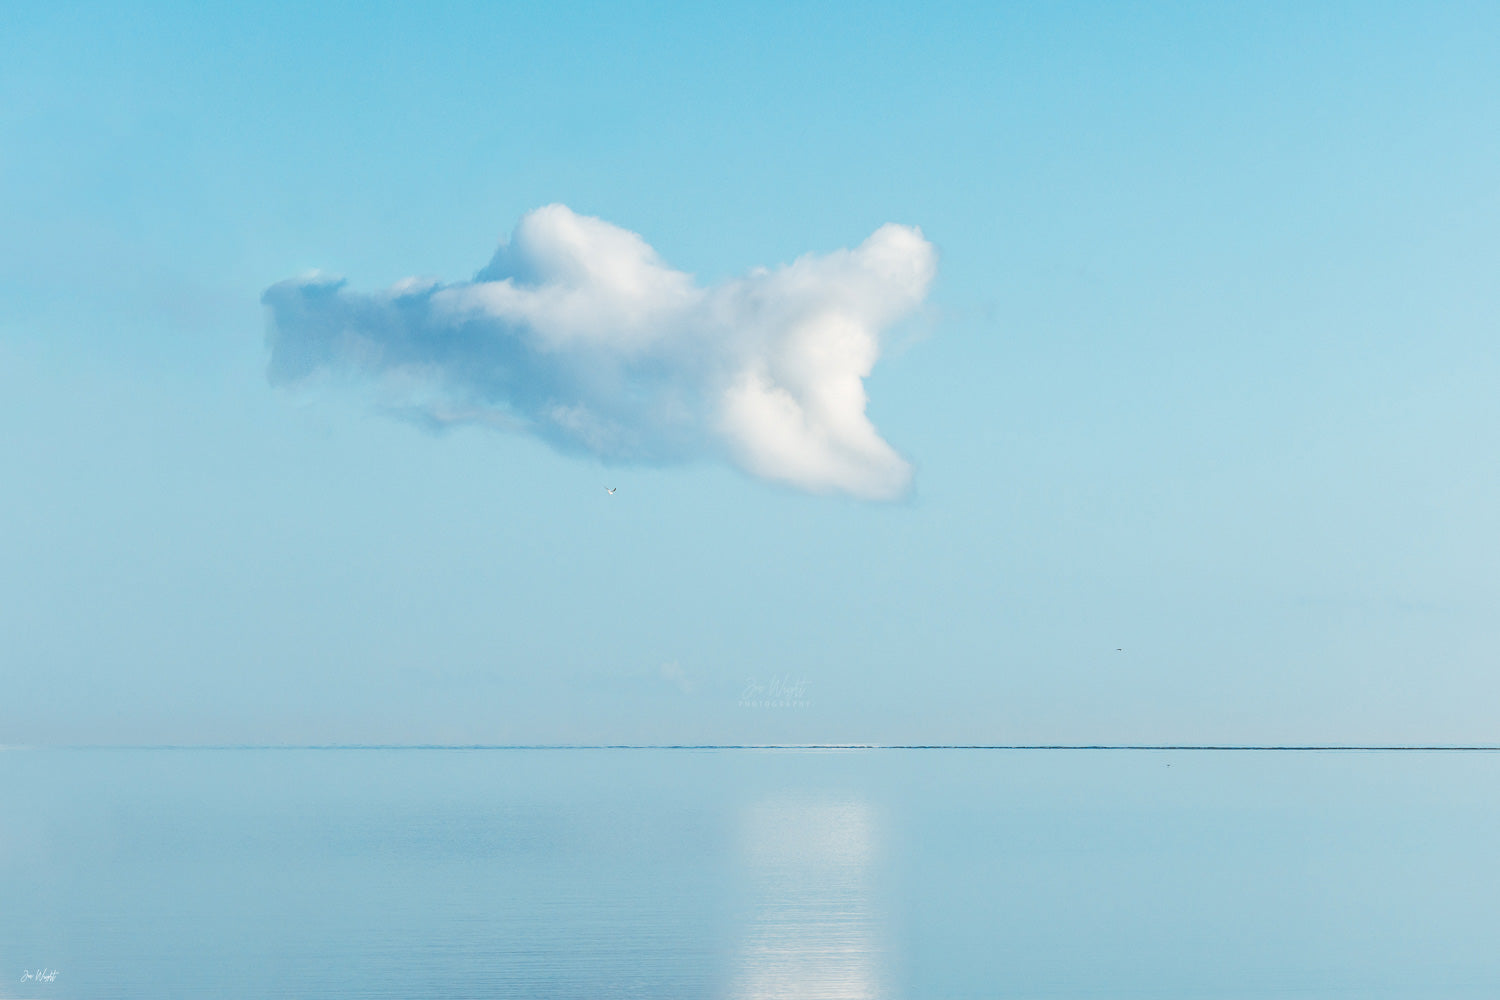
[(747, 873)]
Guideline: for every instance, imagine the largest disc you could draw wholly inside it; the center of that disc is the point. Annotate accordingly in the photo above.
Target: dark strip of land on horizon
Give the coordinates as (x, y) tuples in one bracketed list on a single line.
[(1217, 747)]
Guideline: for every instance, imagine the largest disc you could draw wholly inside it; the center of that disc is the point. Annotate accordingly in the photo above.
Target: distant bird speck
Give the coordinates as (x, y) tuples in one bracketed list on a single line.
[(610, 490)]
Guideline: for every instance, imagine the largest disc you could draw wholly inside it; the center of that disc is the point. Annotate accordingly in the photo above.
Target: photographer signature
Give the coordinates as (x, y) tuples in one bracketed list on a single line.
[(38, 975), (781, 692)]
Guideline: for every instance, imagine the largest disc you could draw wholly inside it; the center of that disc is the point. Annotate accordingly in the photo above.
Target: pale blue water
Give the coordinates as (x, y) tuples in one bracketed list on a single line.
[(582, 873)]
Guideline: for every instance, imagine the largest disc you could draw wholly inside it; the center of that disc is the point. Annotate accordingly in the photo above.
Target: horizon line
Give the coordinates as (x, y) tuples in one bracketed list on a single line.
[(1121, 747)]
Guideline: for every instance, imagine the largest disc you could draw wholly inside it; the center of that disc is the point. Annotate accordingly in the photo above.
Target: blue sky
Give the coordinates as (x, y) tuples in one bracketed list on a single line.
[(1206, 373)]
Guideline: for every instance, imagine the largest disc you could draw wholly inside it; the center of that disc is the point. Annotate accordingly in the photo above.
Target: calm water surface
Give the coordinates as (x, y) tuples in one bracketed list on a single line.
[(747, 874)]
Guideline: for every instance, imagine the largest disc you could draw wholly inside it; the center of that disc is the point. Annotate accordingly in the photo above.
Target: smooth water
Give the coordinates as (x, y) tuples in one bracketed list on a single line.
[(738, 874)]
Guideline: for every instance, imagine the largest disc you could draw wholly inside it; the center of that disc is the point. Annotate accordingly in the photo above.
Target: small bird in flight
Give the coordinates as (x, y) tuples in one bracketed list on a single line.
[(610, 490)]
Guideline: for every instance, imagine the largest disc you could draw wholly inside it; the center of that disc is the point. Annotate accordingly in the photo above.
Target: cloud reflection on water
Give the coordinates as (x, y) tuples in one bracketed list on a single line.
[(813, 926)]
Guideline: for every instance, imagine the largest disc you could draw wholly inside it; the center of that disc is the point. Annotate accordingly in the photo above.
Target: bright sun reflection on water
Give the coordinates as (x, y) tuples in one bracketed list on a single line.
[(812, 929)]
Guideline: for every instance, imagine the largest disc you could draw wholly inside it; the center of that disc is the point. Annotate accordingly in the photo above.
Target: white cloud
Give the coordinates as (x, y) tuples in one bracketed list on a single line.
[(578, 332)]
